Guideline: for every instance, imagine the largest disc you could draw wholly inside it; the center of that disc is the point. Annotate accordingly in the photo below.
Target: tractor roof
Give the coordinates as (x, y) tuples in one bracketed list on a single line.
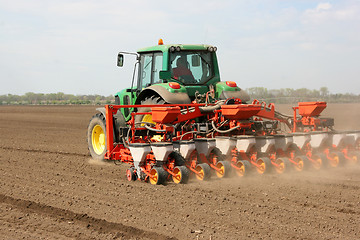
[(165, 48)]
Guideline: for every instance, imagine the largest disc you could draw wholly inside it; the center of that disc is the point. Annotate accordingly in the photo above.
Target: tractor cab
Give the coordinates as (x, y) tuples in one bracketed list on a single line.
[(175, 74), (185, 64), (191, 67)]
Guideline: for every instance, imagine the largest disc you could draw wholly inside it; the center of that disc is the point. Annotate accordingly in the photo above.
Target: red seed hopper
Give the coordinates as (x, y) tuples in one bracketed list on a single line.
[(240, 111), (311, 109)]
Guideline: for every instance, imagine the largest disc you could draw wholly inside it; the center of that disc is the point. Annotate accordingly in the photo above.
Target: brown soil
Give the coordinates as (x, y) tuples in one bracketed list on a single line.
[(50, 188)]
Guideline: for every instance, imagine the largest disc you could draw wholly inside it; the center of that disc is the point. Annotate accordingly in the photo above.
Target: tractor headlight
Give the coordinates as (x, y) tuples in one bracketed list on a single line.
[(172, 49), (178, 49), (210, 49)]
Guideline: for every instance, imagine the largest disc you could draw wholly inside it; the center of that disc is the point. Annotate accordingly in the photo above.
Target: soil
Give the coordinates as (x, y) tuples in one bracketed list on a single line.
[(50, 188)]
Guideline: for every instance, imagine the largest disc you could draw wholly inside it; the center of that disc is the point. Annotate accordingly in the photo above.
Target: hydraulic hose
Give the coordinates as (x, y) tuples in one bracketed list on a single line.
[(206, 109), (223, 131), (154, 129), (187, 133)]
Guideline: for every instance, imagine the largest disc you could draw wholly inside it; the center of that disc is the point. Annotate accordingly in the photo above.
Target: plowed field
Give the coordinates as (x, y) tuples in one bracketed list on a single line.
[(51, 189)]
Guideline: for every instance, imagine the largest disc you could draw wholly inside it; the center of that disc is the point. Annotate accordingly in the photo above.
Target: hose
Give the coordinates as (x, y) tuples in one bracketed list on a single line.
[(206, 109), (187, 133), (154, 129), (127, 138), (223, 131)]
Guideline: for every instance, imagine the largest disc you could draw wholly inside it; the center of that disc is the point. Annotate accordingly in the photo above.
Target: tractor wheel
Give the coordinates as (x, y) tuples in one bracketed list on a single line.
[(203, 171), (224, 169), (244, 168), (181, 174), (284, 165), (130, 174), (158, 176), (96, 137), (153, 100), (320, 161), (337, 159), (302, 163), (264, 165)]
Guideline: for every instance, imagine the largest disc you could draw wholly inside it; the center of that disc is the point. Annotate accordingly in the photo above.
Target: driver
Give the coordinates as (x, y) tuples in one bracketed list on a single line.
[(182, 69)]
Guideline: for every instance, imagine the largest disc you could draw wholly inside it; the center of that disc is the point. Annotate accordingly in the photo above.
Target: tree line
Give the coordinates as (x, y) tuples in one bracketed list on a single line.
[(284, 95), (59, 98), (289, 95)]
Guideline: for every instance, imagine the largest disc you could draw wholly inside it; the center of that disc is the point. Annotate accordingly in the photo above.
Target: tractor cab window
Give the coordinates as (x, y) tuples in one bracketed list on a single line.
[(150, 66), (191, 67)]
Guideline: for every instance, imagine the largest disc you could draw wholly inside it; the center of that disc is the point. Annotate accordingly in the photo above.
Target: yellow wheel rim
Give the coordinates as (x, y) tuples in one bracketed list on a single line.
[(221, 172), (98, 139), (281, 167), (178, 176), (261, 167), (300, 164), (154, 177), (335, 161), (240, 171), (200, 173)]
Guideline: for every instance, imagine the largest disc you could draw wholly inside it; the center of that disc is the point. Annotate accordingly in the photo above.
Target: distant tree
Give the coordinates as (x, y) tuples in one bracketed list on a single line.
[(324, 92)]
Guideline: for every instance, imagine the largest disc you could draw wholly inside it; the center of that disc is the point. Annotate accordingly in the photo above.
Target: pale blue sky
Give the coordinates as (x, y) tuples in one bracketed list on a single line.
[(71, 46)]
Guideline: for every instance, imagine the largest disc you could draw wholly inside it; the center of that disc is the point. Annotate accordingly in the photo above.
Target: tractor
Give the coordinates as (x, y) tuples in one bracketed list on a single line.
[(178, 118), (166, 74)]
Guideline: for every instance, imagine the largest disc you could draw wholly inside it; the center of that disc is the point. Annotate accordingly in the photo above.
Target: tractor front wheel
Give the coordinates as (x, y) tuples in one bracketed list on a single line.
[(96, 137)]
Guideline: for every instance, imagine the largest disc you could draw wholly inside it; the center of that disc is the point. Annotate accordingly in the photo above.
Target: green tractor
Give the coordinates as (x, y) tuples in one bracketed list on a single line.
[(166, 74), (175, 74)]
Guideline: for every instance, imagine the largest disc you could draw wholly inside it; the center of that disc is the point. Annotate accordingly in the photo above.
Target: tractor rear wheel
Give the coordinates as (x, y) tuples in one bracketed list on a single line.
[(147, 118), (96, 137)]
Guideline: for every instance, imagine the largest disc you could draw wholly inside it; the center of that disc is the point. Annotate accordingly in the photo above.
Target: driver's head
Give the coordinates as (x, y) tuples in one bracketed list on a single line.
[(181, 62)]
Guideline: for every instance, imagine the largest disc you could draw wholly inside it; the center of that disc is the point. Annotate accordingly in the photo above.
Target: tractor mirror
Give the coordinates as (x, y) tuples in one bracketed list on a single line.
[(164, 75), (195, 60), (120, 60)]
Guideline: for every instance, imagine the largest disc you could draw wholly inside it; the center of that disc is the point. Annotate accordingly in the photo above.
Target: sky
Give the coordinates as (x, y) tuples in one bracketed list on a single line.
[(71, 46)]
